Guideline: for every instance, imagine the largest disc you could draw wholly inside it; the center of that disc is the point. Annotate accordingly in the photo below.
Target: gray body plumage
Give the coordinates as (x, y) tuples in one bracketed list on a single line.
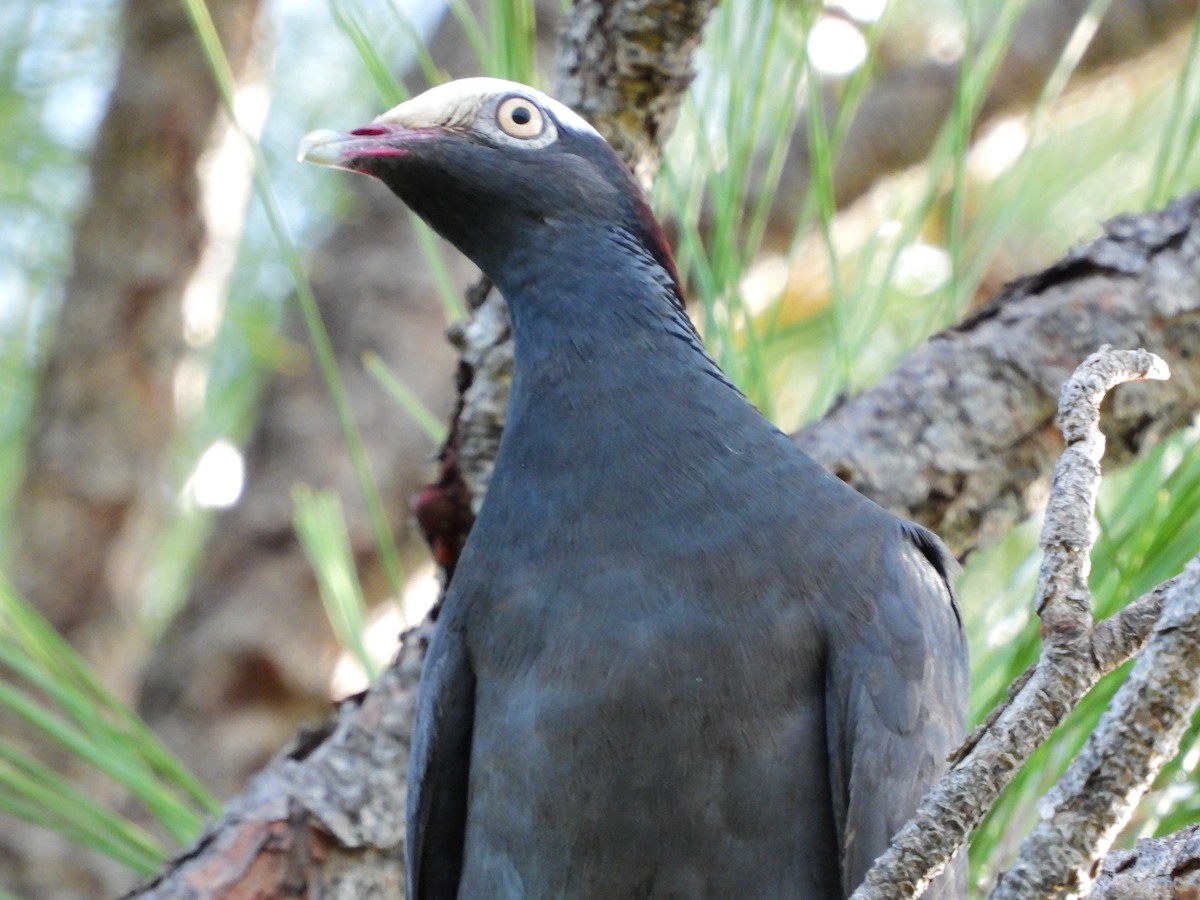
[(692, 658), (677, 659)]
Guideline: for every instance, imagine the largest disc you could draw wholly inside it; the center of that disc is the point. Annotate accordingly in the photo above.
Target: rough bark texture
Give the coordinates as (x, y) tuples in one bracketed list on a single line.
[(960, 435), (625, 65), (1111, 644), (1165, 868), (1064, 673), (326, 818), (105, 415), (1115, 640), (1064, 600), (1137, 736)]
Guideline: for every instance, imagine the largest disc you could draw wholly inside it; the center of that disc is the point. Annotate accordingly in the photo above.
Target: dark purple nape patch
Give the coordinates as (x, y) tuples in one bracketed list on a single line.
[(369, 131), (656, 242)]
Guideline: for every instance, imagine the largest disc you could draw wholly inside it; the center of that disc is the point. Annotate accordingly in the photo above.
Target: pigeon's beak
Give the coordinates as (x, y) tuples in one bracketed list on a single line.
[(353, 150)]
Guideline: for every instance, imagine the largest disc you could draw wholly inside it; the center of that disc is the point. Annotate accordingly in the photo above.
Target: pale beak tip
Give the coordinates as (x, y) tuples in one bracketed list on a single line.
[(321, 147)]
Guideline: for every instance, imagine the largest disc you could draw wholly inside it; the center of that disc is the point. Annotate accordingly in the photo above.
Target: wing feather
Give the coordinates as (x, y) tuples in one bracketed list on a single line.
[(896, 697), (439, 768)]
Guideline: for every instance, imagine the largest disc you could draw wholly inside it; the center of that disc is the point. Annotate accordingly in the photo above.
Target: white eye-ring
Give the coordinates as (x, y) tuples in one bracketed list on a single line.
[(520, 118)]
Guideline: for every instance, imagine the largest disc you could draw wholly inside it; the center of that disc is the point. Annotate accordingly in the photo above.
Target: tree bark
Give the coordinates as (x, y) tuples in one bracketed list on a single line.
[(624, 66), (959, 436), (1166, 868), (326, 818), (1137, 736)]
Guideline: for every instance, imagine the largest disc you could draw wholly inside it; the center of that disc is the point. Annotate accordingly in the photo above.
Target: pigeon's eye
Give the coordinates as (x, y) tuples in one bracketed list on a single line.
[(519, 118)]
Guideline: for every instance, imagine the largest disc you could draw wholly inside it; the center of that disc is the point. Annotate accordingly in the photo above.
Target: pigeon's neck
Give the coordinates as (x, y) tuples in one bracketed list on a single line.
[(613, 396), (597, 316), (616, 409)]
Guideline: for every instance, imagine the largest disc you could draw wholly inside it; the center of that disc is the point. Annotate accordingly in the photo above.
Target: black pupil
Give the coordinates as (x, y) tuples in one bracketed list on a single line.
[(521, 115)]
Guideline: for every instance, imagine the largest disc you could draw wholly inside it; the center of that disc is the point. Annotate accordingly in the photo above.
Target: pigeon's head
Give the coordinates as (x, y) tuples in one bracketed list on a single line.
[(500, 170)]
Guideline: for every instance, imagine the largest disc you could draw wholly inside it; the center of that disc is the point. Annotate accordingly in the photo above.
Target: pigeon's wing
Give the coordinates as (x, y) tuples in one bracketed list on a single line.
[(896, 701), (439, 766)]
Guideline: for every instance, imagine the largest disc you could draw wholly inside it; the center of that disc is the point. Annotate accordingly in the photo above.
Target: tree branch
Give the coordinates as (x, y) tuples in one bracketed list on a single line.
[(1112, 643), (1115, 640), (617, 71), (959, 436), (957, 803), (1155, 869), (1137, 736), (1064, 601), (326, 818)]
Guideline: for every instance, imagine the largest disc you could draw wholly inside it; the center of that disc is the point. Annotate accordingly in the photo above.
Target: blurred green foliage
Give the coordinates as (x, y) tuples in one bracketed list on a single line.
[(797, 317)]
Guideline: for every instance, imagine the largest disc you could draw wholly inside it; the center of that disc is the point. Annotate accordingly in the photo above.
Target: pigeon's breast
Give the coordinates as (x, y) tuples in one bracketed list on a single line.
[(623, 750)]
